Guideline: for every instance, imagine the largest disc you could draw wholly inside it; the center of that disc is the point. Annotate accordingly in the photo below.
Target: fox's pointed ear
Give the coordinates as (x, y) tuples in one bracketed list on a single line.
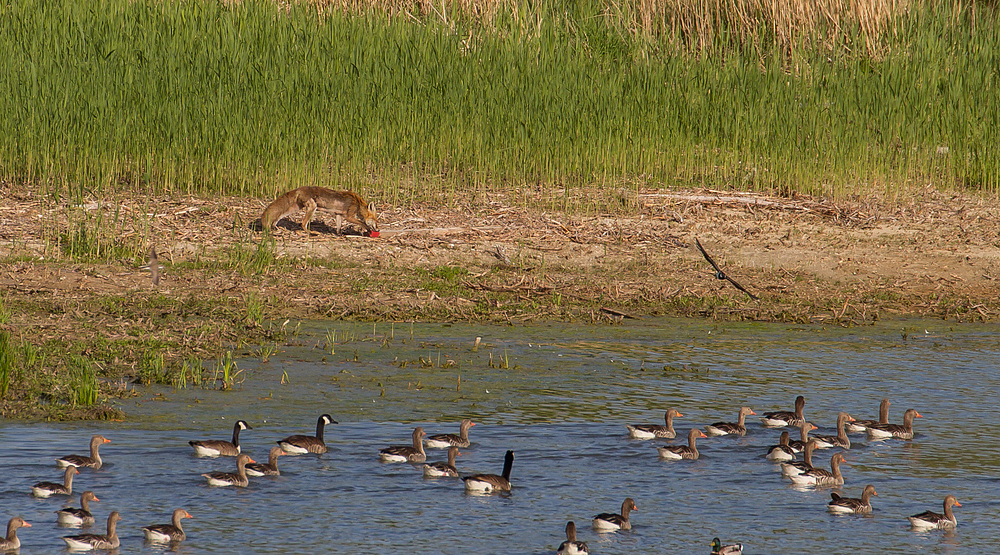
[(371, 206)]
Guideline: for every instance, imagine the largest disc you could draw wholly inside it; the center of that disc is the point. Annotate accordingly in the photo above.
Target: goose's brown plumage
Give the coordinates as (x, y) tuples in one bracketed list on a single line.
[(678, 452), (822, 477), (930, 519), (442, 469), (489, 483), (798, 445), (45, 489), (609, 521), (406, 453), (859, 426), (729, 428), (299, 444), (798, 467), (782, 451), (444, 441), (238, 479), (780, 418), (270, 468), (571, 546), (11, 541), (86, 542), (651, 431), (221, 448), (886, 431), (71, 516), (93, 461), (854, 505), (839, 440), (166, 533)]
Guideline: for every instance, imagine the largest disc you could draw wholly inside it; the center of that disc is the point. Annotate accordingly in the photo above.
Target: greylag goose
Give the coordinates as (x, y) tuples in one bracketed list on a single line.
[(839, 440), (219, 447), (886, 431), (93, 461), (270, 468), (727, 428), (489, 483), (12, 542), (610, 522), (406, 453), (45, 489), (929, 519), (860, 426), (239, 478), (731, 549), (444, 441), (798, 445), (794, 468), (87, 542), (678, 452), (652, 431), (166, 533), (781, 452), (781, 418), (441, 469), (821, 477), (854, 505), (571, 546), (72, 516), (298, 445)]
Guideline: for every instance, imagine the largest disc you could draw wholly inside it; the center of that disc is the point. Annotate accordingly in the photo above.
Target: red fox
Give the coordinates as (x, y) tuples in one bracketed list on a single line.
[(344, 205)]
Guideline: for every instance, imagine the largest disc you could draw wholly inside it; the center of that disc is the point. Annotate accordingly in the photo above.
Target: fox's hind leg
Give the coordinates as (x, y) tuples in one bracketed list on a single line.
[(309, 207), (340, 222)]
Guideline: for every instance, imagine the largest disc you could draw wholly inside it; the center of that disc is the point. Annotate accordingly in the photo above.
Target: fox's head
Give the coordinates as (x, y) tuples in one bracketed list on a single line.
[(370, 218)]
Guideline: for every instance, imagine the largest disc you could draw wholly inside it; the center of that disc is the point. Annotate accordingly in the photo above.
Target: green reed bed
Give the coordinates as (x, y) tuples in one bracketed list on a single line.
[(252, 98)]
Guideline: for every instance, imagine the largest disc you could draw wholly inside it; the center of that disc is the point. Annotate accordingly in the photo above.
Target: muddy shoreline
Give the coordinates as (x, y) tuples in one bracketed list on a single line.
[(492, 259)]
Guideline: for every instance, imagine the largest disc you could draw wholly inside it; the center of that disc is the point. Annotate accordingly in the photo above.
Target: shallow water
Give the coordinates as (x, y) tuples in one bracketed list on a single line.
[(561, 405)]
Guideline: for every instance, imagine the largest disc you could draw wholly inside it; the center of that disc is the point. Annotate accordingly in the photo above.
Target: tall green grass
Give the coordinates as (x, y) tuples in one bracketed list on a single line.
[(252, 98)]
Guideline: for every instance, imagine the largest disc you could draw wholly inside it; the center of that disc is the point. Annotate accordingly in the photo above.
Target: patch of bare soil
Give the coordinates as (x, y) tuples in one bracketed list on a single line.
[(807, 259)]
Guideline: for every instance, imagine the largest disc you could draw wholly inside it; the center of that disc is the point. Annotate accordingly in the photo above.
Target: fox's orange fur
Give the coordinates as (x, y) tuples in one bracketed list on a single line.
[(344, 205)]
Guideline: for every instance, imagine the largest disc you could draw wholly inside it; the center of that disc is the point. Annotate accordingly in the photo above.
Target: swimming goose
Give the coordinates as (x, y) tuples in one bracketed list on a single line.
[(839, 440), (270, 468), (854, 505), (859, 426), (678, 452), (821, 477), (886, 431), (406, 453), (218, 447), (239, 478), (93, 461), (571, 546), (731, 549), (778, 419), (443, 470), (929, 519), (166, 533), (72, 516), (11, 542), (610, 522), (45, 489), (298, 445), (87, 542), (794, 468), (651, 431), (798, 445), (444, 441), (488, 483), (782, 451), (727, 428)]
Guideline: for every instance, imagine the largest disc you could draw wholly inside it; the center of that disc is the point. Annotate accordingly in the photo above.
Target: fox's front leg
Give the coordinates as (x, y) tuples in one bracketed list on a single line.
[(309, 207), (340, 222)]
